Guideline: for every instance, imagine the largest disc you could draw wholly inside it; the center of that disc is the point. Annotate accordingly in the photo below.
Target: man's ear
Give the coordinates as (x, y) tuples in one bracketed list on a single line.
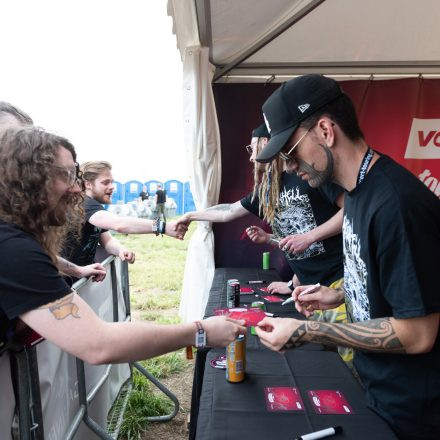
[(326, 131), (87, 184)]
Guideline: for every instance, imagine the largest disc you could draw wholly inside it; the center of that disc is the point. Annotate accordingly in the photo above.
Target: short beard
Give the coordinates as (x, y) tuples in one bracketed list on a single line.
[(318, 178)]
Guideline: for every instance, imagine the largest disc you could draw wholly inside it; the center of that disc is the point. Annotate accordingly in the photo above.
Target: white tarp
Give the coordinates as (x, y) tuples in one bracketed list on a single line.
[(202, 143)]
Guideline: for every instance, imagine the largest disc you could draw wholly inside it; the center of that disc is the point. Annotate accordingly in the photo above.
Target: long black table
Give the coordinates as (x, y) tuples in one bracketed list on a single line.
[(225, 411)]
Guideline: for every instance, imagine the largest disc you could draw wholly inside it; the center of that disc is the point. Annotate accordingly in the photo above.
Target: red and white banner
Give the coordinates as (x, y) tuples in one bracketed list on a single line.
[(401, 118)]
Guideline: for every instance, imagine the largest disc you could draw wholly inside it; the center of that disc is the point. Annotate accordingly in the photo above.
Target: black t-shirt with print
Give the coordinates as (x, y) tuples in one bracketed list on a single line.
[(28, 277), (82, 252), (301, 209), (391, 239)]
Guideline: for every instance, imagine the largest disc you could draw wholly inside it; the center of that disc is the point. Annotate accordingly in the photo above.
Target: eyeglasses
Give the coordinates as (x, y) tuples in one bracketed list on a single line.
[(286, 156), (250, 148), (70, 175)]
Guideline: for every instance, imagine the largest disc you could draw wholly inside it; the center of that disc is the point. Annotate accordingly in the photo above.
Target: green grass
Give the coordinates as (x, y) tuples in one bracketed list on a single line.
[(155, 289)]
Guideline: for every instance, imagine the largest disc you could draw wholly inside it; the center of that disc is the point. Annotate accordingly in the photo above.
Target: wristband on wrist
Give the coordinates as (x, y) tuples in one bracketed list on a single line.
[(200, 339), (290, 285), (155, 227), (162, 227)]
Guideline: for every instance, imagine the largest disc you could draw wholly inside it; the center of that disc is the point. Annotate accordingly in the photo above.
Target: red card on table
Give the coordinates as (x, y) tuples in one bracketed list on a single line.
[(283, 399), (329, 402), (246, 291), (272, 298), (252, 315)]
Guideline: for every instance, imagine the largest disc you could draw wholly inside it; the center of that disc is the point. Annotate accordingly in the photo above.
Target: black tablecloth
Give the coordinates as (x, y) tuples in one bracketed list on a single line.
[(221, 410), (238, 411)]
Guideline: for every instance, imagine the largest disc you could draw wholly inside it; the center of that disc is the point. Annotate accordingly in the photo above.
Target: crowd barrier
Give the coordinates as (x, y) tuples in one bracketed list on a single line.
[(61, 397)]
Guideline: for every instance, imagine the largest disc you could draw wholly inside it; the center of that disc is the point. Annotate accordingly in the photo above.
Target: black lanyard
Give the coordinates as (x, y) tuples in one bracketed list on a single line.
[(364, 165)]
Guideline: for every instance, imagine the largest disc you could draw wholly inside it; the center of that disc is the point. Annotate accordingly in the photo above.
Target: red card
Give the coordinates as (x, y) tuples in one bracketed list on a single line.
[(246, 291), (283, 399), (329, 402), (252, 315), (272, 298)]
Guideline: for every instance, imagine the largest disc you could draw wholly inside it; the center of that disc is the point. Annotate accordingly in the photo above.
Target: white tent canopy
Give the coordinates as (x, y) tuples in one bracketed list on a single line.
[(263, 41), (247, 38)]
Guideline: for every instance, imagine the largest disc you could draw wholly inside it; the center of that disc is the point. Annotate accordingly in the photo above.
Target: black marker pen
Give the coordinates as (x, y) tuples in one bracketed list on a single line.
[(320, 434)]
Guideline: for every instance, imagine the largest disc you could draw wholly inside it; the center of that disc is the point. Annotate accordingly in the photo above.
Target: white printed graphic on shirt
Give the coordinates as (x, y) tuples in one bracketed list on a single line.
[(295, 216), (355, 275)]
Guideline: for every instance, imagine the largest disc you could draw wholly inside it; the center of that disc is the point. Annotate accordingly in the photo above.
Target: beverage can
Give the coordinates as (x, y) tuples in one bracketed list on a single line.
[(236, 360), (232, 293)]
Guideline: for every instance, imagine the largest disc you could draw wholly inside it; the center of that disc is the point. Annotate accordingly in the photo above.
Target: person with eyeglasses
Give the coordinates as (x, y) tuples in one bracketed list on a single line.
[(37, 198), (13, 118), (391, 242), (306, 224), (306, 221)]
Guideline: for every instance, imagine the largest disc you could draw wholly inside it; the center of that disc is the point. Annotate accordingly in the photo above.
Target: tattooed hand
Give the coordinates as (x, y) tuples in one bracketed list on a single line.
[(322, 299), (275, 333)]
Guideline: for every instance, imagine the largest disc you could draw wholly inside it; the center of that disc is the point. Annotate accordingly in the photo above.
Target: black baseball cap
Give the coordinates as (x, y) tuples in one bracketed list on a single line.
[(291, 104), (260, 132)]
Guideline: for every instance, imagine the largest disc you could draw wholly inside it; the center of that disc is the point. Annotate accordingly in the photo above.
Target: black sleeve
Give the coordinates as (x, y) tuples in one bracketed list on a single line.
[(28, 278), (251, 205), (330, 192), (91, 206)]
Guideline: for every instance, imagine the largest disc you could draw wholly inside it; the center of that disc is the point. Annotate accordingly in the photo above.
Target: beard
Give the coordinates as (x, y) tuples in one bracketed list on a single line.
[(318, 178), (58, 216)]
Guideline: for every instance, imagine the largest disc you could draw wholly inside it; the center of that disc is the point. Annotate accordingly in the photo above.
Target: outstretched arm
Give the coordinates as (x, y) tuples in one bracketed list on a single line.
[(131, 225), (386, 335), (72, 325), (218, 214)]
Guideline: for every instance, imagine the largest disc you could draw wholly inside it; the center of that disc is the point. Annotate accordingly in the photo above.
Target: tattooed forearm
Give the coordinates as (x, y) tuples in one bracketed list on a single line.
[(374, 335), (222, 207), (63, 308)]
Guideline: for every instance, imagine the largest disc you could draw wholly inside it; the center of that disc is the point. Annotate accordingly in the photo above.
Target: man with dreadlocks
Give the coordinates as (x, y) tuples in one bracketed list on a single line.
[(307, 220)]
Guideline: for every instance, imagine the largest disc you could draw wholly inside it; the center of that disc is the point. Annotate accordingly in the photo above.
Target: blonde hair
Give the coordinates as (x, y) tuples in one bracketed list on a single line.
[(93, 168), (268, 190)]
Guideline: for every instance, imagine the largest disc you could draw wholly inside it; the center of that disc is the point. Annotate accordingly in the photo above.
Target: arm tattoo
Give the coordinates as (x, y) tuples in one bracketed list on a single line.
[(222, 207), (62, 308), (376, 335)]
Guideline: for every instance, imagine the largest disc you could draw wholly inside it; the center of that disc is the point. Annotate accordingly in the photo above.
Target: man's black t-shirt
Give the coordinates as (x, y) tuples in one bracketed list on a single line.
[(83, 252), (28, 277), (391, 238), (301, 209), (161, 196)]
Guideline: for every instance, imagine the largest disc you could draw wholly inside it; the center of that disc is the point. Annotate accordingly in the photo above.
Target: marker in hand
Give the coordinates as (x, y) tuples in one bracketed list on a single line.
[(311, 289)]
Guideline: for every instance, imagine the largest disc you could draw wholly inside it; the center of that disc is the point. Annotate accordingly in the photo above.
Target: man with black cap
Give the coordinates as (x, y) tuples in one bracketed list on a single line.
[(391, 237), (297, 213)]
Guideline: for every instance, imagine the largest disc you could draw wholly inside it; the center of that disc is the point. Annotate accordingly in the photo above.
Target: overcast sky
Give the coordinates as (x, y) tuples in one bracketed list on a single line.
[(104, 73)]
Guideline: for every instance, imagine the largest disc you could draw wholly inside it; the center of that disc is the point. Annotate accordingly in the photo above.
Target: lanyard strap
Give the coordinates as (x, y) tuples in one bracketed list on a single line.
[(364, 165)]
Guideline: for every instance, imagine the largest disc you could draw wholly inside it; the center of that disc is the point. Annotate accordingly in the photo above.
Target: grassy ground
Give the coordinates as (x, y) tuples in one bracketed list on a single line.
[(155, 288)]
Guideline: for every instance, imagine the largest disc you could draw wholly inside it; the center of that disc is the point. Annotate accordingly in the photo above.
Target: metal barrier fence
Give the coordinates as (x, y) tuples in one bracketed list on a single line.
[(54, 392)]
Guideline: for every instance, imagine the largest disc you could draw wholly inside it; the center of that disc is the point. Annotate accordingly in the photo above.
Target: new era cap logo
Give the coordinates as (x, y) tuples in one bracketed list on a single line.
[(267, 123), (303, 107)]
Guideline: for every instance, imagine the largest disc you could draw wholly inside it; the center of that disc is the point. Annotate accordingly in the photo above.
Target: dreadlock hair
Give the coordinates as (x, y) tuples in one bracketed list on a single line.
[(268, 189), (27, 159)]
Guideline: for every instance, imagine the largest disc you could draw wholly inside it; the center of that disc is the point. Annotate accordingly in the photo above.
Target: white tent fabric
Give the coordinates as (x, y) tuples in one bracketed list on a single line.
[(257, 40), (202, 143)]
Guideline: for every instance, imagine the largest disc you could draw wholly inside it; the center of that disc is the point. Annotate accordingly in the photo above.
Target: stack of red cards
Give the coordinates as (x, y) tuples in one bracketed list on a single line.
[(252, 315), (323, 401)]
